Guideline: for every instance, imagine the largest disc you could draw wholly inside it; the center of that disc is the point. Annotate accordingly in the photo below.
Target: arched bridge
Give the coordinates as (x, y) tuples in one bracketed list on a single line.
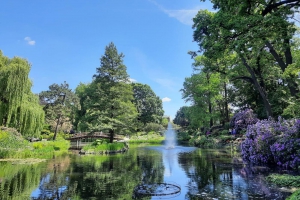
[(78, 140)]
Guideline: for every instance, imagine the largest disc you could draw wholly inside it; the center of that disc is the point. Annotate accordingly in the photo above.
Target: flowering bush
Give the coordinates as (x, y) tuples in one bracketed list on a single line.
[(269, 142), (242, 119)]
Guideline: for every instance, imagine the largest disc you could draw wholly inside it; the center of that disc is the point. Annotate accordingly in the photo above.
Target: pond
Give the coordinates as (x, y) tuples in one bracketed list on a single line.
[(175, 173)]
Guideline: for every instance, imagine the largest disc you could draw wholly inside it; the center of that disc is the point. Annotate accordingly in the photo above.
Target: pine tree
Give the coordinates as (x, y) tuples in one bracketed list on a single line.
[(109, 106)]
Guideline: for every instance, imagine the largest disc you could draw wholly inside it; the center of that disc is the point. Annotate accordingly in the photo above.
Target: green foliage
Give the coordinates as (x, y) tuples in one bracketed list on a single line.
[(149, 106), (165, 122), (183, 136), (100, 146), (181, 117), (14, 146), (60, 106), (108, 106), (203, 90), (19, 107), (11, 140), (152, 138), (37, 145), (284, 180), (257, 38), (203, 142), (294, 196), (153, 127)]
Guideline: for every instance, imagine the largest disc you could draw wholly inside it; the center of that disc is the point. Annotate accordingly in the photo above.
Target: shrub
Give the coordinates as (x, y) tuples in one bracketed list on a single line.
[(37, 145), (183, 136), (153, 127), (294, 196), (242, 119), (204, 142), (284, 180), (105, 146), (271, 142), (165, 122)]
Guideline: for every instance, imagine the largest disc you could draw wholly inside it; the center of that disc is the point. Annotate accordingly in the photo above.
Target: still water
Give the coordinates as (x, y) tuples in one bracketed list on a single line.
[(200, 174)]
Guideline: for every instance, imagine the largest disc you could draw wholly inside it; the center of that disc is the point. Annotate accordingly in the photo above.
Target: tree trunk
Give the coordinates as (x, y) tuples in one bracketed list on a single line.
[(111, 135), (211, 123), (226, 104), (56, 128), (289, 60), (259, 88)]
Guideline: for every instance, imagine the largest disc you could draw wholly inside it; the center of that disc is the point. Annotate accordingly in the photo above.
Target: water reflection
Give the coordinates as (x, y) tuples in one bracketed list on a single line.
[(201, 174), (213, 176)]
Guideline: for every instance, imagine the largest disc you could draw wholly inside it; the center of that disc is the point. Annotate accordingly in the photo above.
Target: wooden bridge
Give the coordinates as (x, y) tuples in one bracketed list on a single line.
[(78, 140)]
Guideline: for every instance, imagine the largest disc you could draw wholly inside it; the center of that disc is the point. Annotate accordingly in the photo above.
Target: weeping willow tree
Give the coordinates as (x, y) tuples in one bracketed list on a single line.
[(19, 107)]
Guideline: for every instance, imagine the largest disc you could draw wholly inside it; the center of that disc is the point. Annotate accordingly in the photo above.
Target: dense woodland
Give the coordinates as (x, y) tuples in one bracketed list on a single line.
[(246, 81), (248, 57), (109, 103)]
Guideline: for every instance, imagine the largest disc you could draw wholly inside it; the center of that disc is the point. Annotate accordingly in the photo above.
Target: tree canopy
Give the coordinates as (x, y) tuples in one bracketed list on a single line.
[(109, 105), (19, 107), (253, 47), (60, 105), (149, 106)]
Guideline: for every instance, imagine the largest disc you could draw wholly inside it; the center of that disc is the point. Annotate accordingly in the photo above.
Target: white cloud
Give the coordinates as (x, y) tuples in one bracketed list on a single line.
[(166, 99), (29, 41), (185, 16), (132, 80)]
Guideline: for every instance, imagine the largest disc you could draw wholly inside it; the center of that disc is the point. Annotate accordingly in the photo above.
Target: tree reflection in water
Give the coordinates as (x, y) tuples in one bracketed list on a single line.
[(212, 174), (201, 174)]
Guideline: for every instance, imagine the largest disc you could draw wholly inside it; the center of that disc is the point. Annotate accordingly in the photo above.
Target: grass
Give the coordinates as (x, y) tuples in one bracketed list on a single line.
[(294, 196), (151, 138), (286, 180), (116, 146), (15, 146), (150, 141)]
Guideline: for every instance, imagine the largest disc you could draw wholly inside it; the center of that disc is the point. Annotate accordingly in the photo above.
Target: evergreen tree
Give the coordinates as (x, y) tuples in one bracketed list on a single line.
[(60, 105), (109, 106)]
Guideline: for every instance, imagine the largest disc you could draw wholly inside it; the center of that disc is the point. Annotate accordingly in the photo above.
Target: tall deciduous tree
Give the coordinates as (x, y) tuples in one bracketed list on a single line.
[(109, 106), (203, 91), (149, 106), (259, 40), (19, 107), (60, 105), (181, 117)]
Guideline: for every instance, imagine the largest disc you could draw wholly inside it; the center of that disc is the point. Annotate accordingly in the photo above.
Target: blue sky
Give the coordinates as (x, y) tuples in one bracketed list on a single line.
[(63, 40)]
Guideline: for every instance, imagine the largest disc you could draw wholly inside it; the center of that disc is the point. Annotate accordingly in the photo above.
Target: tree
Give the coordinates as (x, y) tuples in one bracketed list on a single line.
[(109, 106), (19, 107), (149, 106), (181, 117), (60, 105), (203, 91), (261, 41)]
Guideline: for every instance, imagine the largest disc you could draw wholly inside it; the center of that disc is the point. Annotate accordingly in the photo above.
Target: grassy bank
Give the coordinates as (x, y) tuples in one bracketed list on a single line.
[(13, 145), (285, 180), (103, 145), (150, 137)]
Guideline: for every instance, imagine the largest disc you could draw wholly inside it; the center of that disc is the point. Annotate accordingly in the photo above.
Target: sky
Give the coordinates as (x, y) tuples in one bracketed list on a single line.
[(64, 40)]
